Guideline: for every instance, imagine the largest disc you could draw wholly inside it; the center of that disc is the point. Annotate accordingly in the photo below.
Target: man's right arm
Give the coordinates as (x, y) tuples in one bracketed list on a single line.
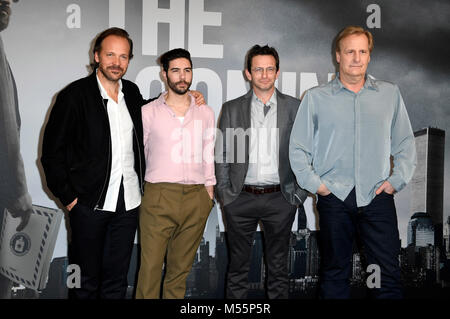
[(221, 166), (301, 148), (57, 135)]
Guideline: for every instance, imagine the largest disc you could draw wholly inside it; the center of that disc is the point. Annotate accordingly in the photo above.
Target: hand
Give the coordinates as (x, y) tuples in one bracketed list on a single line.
[(323, 190), (210, 190), (24, 215), (70, 206), (199, 98), (385, 187)]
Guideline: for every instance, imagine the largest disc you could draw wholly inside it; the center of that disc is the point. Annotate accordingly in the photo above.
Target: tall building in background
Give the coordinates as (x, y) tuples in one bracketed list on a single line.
[(221, 260), (428, 180), (447, 237), (420, 230)]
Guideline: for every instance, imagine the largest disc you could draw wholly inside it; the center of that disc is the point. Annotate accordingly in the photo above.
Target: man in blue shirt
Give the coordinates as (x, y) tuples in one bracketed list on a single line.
[(342, 142)]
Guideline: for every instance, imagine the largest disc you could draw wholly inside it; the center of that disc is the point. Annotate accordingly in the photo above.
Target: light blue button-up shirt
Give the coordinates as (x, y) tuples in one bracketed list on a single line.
[(345, 139), (263, 149)]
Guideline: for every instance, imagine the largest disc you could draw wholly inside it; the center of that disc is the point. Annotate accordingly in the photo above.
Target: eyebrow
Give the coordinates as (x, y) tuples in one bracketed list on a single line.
[(189, 68)]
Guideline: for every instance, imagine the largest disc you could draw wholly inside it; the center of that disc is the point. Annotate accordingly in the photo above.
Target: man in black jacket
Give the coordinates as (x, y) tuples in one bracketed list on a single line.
[(93, 159), (93, 162), (255, 182)]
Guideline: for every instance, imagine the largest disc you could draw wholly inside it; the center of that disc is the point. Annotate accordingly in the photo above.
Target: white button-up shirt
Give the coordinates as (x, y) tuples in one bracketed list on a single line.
[(122, 154)]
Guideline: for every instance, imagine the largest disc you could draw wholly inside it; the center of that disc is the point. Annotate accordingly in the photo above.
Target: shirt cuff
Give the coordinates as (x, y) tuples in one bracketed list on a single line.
[(210, 182), (396, 182), (313, 184)]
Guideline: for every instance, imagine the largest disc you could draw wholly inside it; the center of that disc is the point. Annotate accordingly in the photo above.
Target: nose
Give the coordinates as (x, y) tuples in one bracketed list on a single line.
[(116, 60), (264, 73), (357, 56)]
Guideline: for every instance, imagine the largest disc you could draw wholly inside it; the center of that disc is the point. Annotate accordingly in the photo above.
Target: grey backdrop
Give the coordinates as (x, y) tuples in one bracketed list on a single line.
[(411, 49)]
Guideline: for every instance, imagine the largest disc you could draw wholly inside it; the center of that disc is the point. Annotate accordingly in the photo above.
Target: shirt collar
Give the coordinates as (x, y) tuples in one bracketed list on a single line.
[(162, 100), (272, 100), (103, 91), (337, 85)]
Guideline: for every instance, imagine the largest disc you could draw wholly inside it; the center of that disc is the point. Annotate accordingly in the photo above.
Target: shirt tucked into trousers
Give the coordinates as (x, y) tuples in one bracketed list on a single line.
[(176, 204)]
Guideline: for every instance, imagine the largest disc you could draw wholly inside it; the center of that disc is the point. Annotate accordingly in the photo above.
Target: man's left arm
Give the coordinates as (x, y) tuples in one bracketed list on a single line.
[(13, 187), (403, 147), (208, 155)]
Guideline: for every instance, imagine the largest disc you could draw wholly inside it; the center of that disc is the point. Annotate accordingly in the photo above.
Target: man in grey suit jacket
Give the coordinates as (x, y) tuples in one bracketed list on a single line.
[(255, 182)]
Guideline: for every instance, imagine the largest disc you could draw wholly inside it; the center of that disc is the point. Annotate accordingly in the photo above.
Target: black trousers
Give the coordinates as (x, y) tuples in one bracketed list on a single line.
[(242, 217), (376, 226), (101, 245)]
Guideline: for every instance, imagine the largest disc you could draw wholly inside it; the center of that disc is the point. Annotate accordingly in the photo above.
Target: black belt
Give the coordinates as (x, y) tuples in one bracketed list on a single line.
[(261, 189)]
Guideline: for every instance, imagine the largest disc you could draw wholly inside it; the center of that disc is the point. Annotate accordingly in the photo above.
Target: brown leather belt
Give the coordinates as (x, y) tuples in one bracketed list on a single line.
[(261, 189)]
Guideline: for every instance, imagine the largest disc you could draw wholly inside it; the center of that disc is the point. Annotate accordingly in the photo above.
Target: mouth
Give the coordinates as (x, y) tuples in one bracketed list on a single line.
[(115, 70)]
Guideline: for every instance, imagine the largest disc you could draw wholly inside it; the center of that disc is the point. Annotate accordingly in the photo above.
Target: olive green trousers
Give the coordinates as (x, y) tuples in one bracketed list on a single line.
[(171, 223)]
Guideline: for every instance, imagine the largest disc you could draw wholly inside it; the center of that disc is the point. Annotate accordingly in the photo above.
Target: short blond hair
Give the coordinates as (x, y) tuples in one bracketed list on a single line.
[(353, 30)]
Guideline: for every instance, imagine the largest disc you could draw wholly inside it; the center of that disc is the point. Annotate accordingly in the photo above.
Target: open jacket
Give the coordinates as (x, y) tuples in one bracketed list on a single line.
[(231, 176), (76, 150)]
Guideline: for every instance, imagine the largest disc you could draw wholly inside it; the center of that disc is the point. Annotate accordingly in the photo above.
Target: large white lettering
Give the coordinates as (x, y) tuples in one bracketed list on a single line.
[(152, 15), (197, 20), (214, 85), (117, 13)]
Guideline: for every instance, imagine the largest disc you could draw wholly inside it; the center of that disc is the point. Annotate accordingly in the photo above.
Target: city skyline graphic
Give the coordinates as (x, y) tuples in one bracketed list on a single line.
[(424, 260)]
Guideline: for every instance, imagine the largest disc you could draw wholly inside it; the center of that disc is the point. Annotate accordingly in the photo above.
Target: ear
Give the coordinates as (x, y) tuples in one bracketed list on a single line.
[(248, 75), (96, 57), (278, 73), (338, 57)]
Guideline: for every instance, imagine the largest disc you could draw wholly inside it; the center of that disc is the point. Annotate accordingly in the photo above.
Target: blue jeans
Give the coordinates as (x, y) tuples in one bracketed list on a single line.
[(376, 226)]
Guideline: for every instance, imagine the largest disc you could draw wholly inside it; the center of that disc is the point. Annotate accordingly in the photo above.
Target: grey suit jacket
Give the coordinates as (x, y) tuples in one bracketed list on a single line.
[(230, 176)]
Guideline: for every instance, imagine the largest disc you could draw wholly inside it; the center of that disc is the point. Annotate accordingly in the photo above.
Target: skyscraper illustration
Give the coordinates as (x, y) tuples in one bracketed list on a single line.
[(428, 180)]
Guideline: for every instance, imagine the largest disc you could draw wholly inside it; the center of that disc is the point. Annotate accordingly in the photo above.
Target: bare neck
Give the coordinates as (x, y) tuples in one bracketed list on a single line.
[(178, 103), (353, 84), (111, 87), (264, 96)]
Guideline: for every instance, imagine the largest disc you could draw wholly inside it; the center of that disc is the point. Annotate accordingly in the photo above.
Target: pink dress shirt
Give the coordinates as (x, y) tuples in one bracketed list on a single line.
[(175, 151)]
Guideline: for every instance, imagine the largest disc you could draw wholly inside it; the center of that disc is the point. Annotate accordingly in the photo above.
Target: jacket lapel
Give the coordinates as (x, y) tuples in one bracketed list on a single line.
[(282, 116), (246, 122), (246, 110)]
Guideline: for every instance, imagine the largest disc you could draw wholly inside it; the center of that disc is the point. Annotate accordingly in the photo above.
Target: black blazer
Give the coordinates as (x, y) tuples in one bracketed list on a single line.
[(76, 150), (230, 176)]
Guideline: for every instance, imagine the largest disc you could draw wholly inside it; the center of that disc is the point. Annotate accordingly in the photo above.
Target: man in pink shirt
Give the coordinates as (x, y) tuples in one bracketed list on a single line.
[(179, 176)]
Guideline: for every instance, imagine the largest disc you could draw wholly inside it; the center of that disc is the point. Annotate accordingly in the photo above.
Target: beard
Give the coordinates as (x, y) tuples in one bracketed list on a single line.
[(174, 86), (107, 72)]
